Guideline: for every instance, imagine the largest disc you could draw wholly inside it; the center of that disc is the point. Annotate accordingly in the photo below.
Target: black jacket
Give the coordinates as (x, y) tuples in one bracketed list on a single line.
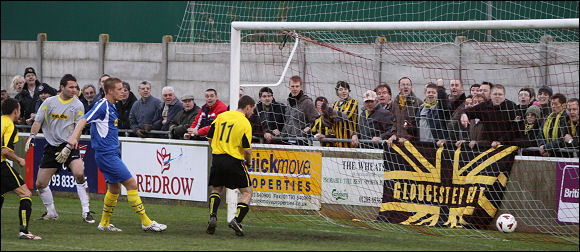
[(124, 109), (497, 121), (27, 103), (181, 122)]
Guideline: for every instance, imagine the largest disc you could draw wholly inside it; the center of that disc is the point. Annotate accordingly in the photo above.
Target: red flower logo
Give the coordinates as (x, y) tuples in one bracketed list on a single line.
[(163, 158)]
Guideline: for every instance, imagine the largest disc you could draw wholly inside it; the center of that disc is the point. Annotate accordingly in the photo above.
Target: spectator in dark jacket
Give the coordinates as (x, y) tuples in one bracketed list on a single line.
[(144, 110), (456, 95), (554, 128), (404, 108), (529, 128), (375, 122), (465, 129), (29, 94), (170, 107), (270, 116), (124, 108), (43, 93), (497, 116), (184, 118)]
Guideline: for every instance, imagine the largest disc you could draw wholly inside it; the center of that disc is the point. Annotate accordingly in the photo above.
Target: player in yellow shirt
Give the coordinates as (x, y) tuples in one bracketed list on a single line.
[(11, 180), (230, 138)]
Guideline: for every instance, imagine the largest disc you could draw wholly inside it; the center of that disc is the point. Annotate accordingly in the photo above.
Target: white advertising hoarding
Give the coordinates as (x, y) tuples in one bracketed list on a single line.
[(347, 181), (168, 171)]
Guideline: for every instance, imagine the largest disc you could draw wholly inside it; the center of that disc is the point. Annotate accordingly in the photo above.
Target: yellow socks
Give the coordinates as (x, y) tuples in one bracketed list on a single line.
[(135, 202), (110, 203)]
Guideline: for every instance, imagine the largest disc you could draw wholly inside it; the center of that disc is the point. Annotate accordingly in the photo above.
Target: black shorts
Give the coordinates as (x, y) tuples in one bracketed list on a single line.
[(229, 172), (49, 157), (10, 178)]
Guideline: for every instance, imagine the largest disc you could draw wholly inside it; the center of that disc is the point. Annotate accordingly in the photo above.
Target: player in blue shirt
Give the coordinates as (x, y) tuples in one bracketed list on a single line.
[(105, 141)]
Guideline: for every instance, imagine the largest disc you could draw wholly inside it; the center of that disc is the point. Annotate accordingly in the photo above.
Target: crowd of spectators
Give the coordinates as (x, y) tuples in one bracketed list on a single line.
[(484, 118)]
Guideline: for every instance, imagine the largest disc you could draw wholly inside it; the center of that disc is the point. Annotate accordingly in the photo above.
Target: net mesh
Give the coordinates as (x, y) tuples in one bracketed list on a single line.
[(368, 185)]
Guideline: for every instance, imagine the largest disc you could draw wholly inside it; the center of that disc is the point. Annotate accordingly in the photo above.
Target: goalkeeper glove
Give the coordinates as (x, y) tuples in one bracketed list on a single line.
[(29, 143), (62, 156)]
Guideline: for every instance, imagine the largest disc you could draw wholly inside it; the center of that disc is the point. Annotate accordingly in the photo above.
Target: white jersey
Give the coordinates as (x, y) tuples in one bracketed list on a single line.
[(59, 118)]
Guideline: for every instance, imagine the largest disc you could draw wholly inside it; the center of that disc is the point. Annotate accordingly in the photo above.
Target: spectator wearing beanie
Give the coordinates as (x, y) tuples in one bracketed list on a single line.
[(529, 126), (29, 94)]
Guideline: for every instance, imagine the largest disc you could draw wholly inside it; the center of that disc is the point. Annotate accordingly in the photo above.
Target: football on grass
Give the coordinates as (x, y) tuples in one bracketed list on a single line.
[(506, 223)]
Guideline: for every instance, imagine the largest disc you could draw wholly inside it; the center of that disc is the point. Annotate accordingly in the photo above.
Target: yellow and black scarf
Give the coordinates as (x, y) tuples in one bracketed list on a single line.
[(548, 124)]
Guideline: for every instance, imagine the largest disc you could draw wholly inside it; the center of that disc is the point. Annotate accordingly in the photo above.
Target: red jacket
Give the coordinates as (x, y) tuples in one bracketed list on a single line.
[(206, 115)]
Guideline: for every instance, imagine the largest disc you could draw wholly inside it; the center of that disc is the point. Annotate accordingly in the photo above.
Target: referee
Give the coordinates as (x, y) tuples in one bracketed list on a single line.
[(230, 136)]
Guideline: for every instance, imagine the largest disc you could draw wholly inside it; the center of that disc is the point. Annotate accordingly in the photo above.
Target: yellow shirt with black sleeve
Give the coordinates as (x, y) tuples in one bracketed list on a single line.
[(347, 126), (9, 135), (230, 133)]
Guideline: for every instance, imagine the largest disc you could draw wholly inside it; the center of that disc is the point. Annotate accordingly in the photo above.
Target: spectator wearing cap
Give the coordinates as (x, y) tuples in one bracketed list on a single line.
[(375, 122), (184, 118), (433, 115), (544, 94), (124, 108), (554, 128), (571, 138), (43, 94), (346, 124), (268, 118), (404, 108), (29, 94), (170, 107), (529, 128), (144, 110)]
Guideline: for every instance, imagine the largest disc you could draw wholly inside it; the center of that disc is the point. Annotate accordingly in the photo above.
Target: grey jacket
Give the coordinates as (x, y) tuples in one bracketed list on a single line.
[(144, 112), (298, 116)]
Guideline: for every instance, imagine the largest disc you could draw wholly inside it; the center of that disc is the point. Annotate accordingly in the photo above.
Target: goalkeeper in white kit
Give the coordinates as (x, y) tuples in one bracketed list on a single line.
[(58, 116)]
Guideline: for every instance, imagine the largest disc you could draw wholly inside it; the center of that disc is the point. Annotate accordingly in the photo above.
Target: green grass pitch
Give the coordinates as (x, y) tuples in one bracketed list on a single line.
[(186, 231)]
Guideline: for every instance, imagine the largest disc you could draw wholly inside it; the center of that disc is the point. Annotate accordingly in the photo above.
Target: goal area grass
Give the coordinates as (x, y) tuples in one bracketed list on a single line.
[(187, 224)]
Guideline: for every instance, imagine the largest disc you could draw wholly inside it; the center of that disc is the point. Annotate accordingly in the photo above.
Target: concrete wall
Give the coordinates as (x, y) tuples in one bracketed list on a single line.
[(192, 68)]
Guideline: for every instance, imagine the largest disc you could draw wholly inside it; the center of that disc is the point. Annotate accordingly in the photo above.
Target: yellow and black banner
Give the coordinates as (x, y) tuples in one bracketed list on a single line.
[(445, 186)]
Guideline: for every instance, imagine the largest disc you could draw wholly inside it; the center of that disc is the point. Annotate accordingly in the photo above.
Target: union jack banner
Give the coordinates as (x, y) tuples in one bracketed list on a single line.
[(444, 186)]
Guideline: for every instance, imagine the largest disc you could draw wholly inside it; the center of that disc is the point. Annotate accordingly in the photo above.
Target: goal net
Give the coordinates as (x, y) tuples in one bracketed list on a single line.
[(413, 186)]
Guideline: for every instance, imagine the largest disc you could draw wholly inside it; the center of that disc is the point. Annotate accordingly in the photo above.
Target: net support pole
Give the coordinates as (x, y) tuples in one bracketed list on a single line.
[(235, 57)]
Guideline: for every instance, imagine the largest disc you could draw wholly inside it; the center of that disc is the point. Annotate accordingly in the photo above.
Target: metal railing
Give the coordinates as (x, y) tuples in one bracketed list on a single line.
[(309, 140)]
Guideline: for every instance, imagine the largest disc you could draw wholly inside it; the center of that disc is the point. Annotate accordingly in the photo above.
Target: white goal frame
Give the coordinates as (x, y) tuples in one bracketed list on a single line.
[(237, 27)]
